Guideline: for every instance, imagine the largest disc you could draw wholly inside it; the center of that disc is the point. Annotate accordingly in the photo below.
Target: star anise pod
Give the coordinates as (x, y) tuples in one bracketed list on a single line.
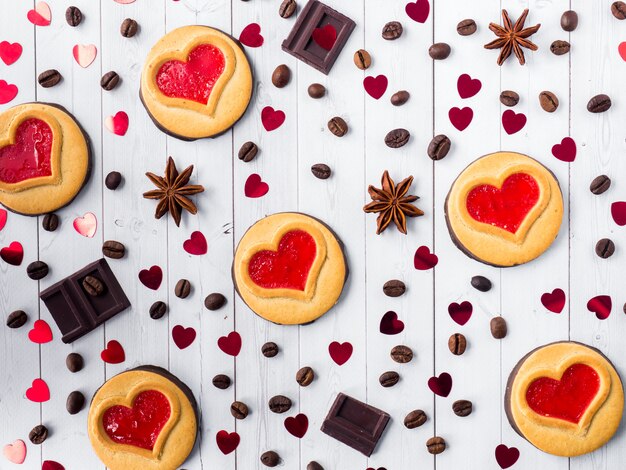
[(392, 203), (512, 37), (172, 191)]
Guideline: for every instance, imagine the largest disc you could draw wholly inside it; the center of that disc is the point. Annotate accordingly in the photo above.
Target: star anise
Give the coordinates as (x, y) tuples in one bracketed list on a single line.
[(172, 191), (512, 37), (392, 203)]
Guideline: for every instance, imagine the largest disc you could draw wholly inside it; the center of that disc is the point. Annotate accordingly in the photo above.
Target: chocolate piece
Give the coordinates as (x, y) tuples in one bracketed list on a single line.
[(355, 423), (75, 312), (301, 45)]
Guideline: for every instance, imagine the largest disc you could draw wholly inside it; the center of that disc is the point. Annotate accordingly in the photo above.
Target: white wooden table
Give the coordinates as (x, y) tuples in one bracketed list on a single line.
[(358, 159)]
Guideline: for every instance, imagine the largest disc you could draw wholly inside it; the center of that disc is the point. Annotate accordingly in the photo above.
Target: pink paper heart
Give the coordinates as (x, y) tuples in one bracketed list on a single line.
[(424, 259), (255, 186), (196, 244), (227, 442), (230, 344), (390, 324), (618, 212), (3, 218), (340, 352), (375, 86), (622, 50), (117, 124), (124, 2), (15, 452), (325, 37), (506, 456), (86, 225), (84, 54), (418, 10), (40, 333), (600, 305), (513, 122), (10, 53), (113, 353), (272, 119), (461, 118), (566, 150), (13, 254), (554, 301), (441, 385), (183, 337), (41, 15), (297, 425), (8, 91), (38, 392), (460, 313), (151, 278), (468, 86), (251, 36)]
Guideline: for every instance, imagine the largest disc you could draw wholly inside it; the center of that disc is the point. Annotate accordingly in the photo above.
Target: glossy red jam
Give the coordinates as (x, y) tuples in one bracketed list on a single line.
[(289, 266), (194, 79), (504, 207), (29, 156), (140, 425)]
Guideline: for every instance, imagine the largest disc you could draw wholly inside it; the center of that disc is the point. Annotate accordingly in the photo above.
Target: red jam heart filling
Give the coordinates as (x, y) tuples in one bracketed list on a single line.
[(565, 399), (29, 156), (193, 80), (506, 207), (140, 425), (289, 266)]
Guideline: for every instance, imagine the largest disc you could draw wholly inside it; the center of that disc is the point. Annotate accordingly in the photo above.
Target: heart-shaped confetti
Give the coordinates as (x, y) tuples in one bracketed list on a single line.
[(622, 50), (41, 332), (375, 86), (566, 150), (10, 52), (38, 392), (124, 2), (441, 385), (15, 452), (601, 306), (468, 86), (227, 442), (272, 119), (8, 91), (513, 122), (297, 425), (340, 352), (113, 353), (418, 10), (251, 36), (41, 15), (325, 37), (255, 186), (554, 301), (230, 344), (460, 313), (117, 124), (618, 212), (196, 244), (424, 259), (390, 324), (3, 218), (84, 54), (51, 464), (13, 254), (86, 225), (151, 278), (183, 337), (461, 118), (506, 456)]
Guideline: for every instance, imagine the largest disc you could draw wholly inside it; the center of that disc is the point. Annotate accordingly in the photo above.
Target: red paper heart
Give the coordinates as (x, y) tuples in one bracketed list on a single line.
[(461, 118), (297, 425), (566, 150), (506, 456), (151, 278), (272, 119), (390, 325), (600, 305), (117, 124), (418, 10), (513, 122), (29, 156), (441, 385), (196, 244), (51, 465), (10, 53), (8, 91), (375, 86), (567, 398), (340, 352), (468, 86), (325, 37), (251, 36), (227, 442), (113, 353), (555, 301), (183, 337), (41, 332), (622, 50), (230, 344), (3, 218), (460, 313), (505, 207), (38, 392), (40, 15), (13, 254), (255, 186), (424, 259), (618, 212)]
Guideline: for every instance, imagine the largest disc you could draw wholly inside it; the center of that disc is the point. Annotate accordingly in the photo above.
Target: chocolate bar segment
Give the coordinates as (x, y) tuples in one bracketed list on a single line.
[(355, 423), (300, 43), (75, 312)]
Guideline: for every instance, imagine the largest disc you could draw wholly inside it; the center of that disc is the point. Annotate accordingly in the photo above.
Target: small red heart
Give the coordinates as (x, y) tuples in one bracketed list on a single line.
[(113, 353), (325, 37), (41, 332), (151, 278), (230, 344), (618, 212), (390, 325), (601, 306), (513, 122), (10, 53), (340, 352), (555, 301), (51, 465), (441, 385), (506, 456), (566, 150), (460, 313), (297, 425), (468, 86), (117, 124), (13, 254), (196, 244), (3, 218), (622, 50), (272, 119), (418, 10), (251, 36), (38, 392), (40, 15), (424, 259), (375, 86), (8, 91), (183, 337), (255, 186), (461, 118), (227, 442)]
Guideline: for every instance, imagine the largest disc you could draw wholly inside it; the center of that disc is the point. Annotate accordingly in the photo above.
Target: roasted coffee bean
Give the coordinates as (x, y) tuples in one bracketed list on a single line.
[(600, 184), (392, 30), (605, 248), (569, 21), (74, 362), (481, 283), (305, 376), (158, 309), (559, 47), (17, 319), (50, 222), (415, 419), (248, 151), (462, 408), (73, 16), (498, 327), (509, 98), (457, 344), (362, 59), (439, 51), (599, 104), (182, 289), (619, 10), (49, 78), (109, 80), (221, 381), (400, 97), (401, 354), (436, 445), (214, 301), (316, 90), (113, 180), (466, 27), (113, 249), (337, 126), (439, 147), (394, 288), (279, 404), (239, 410), (321, 171), (389, 378), (281, 76), (38, 434), (37, 270), (93, 286), (287, 8), (270, 458), (314, 466), (75, 402), (548, 101), (397, 138), (129, 28), (269, 349)]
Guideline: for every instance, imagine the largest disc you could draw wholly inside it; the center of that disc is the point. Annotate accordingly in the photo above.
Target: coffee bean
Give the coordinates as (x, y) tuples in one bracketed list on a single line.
[(394, 288), (269, 349), (605, 248), (129, 28), (17, 319), (415, 419), (279, 404), (158, 309), (182, 289), (337, 126), (287, 8), (248, 151), (362, 59), (619, 10), (93, 286), (389, 378), (74, 362), (314, 466), (498, 327), (113, 249), (73, 16), (400, 97), (481, 283), (401, 354), (569, 20), (462, 408), (466, 27), (281, 76), (559, 47), (239, 410), (439, 147), (321, 171), (37, 270), (316, 90), (599, 104), (113, 180), (439, 51), (457, 344), (397, 138), (305, 376), (75, 402), (509, 98), (109, 80), (270, 458), (214, 301), (50, 222), (221, 381), (49, 78), (38, 434), (548, 101), (436, 445), (600, 184), (392, 30)]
